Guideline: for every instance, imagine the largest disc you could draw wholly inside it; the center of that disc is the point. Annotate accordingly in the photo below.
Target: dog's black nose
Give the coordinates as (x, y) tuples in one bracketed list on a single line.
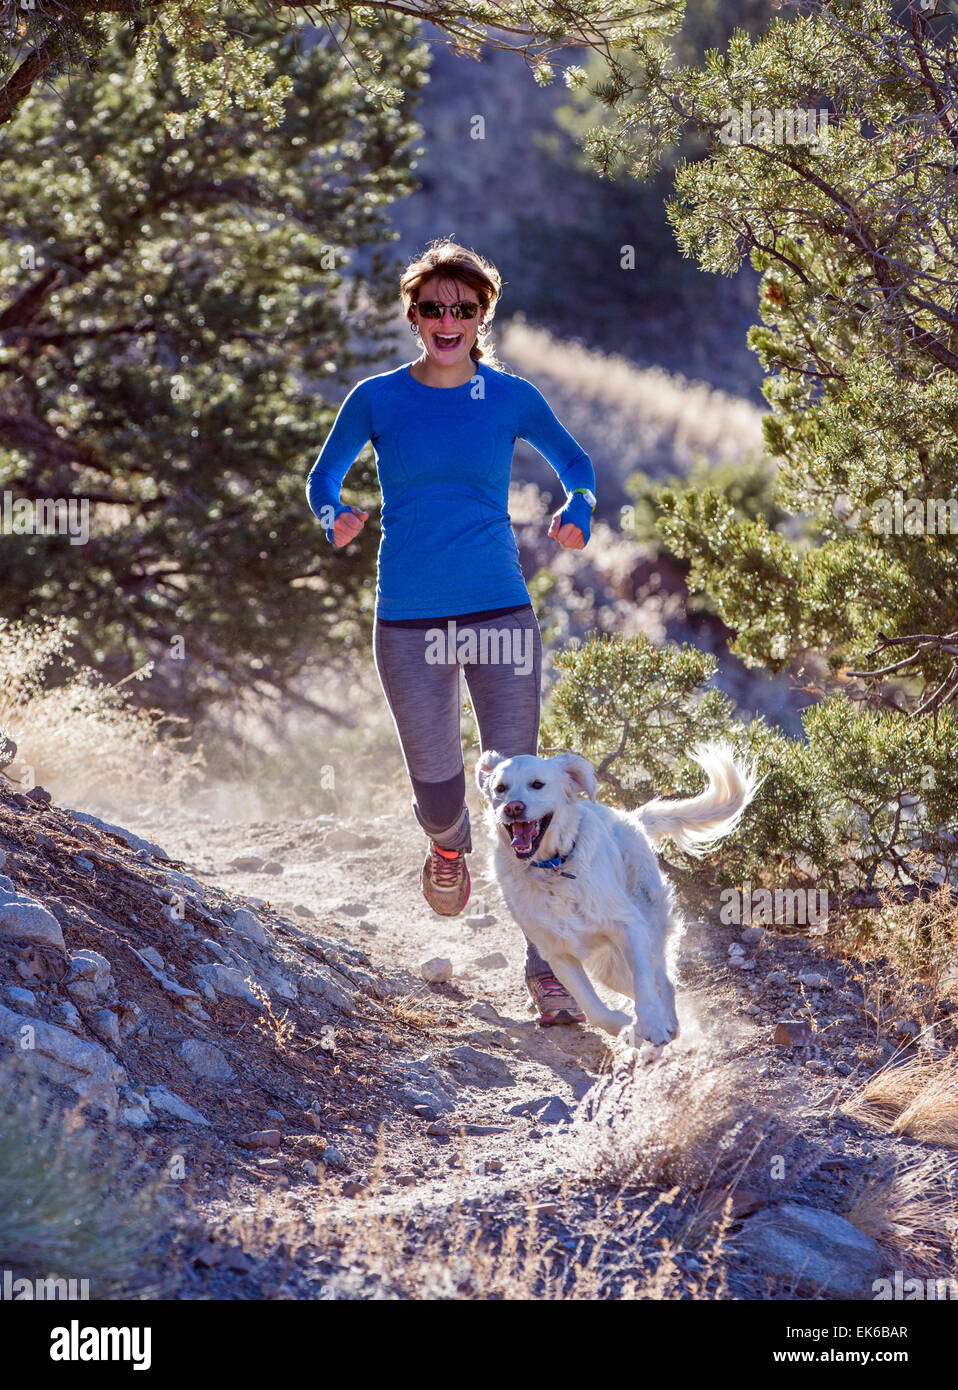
[(516, 810)]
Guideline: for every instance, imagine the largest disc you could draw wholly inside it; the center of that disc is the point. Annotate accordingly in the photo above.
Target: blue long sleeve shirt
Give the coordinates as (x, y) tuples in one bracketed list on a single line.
[(444, 457)]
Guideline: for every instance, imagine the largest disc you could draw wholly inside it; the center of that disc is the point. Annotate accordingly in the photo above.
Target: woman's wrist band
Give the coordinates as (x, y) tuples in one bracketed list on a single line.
[(588, 494)]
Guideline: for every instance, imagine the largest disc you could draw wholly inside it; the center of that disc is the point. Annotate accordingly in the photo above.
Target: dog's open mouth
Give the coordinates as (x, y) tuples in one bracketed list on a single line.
[(526, 835)]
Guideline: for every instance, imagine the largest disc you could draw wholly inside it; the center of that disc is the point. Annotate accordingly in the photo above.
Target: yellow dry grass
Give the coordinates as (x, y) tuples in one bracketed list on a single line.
[(917, 1096), (912, 1211), (76, 735)]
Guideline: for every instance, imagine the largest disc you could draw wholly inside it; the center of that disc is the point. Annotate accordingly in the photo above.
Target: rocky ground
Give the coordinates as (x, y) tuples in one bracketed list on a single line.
[(243, 1007)]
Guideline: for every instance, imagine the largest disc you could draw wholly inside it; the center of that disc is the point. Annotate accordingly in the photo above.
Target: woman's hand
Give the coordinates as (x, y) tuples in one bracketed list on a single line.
[(569, 536), (348, 525)]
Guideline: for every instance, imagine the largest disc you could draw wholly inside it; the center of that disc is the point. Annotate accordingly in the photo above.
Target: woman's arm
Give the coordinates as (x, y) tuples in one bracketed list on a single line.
[(348, 437), (540, 428)]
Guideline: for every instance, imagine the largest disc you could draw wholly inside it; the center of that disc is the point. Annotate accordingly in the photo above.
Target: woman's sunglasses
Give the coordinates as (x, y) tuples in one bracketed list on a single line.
[(432, 309)]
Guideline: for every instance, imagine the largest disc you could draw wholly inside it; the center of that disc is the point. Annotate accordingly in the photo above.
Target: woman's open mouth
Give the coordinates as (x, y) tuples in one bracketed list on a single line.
[(526, 835), (447, 342)]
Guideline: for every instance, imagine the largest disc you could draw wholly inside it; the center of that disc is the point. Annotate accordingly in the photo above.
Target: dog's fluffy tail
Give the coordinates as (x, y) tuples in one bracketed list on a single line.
[(697, 823)]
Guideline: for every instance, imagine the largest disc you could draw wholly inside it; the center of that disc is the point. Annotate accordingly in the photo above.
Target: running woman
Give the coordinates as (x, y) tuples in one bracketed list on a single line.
[(444, 429)]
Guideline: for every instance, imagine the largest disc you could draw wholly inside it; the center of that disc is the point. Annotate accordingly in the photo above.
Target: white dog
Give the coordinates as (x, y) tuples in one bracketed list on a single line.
[(581, 879)]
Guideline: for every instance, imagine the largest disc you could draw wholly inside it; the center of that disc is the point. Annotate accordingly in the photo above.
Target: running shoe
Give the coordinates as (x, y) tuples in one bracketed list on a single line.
[(445, 881), (552, 1002)]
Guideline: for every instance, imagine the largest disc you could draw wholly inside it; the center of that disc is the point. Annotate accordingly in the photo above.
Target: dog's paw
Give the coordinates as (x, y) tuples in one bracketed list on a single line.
[(639, 1033), (637, 1051)]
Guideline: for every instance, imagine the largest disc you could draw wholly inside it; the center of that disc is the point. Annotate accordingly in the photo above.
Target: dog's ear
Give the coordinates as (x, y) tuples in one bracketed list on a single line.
[(580, 773), (485, 763)]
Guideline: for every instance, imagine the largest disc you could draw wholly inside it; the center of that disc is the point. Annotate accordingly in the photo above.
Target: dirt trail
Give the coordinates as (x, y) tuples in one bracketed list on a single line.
[(468, 1054)]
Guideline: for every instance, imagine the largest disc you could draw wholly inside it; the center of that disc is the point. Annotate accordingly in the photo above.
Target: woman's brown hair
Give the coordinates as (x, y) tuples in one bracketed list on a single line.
[(451, 261)]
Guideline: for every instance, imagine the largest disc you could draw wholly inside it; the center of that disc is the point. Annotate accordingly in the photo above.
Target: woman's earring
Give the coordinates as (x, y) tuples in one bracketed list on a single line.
[(414, 328)]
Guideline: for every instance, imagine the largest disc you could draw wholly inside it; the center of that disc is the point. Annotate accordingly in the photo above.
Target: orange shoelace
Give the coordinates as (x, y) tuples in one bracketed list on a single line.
[(445, 866)]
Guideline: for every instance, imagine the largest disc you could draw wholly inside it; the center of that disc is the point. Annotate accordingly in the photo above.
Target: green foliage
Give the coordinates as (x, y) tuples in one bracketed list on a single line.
[(855, 244), (632, 708), (169, 307), (758, 594), (748, 488), (864, 799), (213, 68), (853, 237), (864, 791), (72, 1206), (220, 63)]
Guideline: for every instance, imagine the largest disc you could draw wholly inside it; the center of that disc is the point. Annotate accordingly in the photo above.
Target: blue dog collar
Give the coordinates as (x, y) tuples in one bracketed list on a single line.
[(555, 863)]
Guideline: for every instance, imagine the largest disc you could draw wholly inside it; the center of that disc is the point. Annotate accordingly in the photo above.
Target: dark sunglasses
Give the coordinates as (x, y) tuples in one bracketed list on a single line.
[(432, 309)]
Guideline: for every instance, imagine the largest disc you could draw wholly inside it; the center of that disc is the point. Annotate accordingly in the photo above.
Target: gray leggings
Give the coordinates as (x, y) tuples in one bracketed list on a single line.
[(419, 672)]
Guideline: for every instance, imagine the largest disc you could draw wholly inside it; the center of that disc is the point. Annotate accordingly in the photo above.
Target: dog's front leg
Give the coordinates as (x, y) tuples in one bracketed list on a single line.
[(570, 972), (655, 1019)]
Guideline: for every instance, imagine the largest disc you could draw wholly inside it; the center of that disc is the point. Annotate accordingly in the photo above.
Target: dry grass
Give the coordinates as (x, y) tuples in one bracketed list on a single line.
[(75, 735), (691, 1124), (421, 1008), (71, 1205), (456, 1254), (912, 1211), (917, 1096), (277, 1030), (905, 957), (632, 417)]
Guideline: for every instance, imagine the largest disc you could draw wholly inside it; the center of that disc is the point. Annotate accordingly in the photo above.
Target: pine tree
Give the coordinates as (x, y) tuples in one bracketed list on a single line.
[(216, 63), (853, 234), (171, 305)]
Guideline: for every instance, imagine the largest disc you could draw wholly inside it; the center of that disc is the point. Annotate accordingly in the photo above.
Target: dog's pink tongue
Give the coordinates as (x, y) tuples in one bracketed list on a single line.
[(523, 833)]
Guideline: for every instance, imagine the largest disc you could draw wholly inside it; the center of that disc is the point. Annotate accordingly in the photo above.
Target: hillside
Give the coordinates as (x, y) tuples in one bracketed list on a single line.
[(346, 1130), (511, 187)]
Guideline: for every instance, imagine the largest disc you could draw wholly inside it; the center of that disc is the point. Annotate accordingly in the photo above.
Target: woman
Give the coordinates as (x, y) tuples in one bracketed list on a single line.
[(450, 591)]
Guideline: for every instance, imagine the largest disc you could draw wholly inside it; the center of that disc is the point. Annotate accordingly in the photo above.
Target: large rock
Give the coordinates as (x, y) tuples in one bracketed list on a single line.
[(324, 984), (436, 971), (20, 998), (134, 841), (345, 839), (24, 919), (226, 979), (62, 1057), (815, 1251), (482, 1068), (90, 965), (162, 1099), (205, 1060), (546, 1110), (260, 965), (134, 1108), (106, 1025), (494, 961), (428, 1084), (89, 978), (248, 925)]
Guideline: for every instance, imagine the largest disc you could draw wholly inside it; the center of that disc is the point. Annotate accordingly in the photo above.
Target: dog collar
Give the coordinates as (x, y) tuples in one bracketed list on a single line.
[(555, 863)]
